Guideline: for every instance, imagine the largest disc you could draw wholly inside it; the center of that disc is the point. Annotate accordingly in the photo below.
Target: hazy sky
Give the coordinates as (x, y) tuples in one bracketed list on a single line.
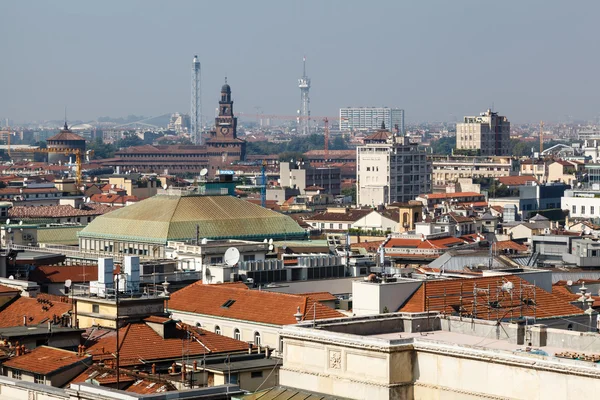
[(436, 59)]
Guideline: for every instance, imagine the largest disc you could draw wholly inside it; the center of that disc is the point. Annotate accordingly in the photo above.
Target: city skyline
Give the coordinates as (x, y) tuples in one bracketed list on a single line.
[(530, 61)]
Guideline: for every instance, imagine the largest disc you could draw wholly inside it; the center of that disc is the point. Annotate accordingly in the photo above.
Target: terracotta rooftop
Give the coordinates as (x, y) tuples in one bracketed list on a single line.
[(16, 190), (372, 246), (58, 211), (248, 305), (318, 296), (36, 312), (112, 198), (134, 383), (6, 290), (66, 135), (138, 341), (430, 296), (60, 273), (44, 360), (441, 243), (516, 180), (509, 245), (351, 215)]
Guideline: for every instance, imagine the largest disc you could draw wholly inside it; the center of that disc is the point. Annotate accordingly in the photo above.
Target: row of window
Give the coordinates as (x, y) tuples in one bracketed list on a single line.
[(38, 378), (237, 335), (592, 210)]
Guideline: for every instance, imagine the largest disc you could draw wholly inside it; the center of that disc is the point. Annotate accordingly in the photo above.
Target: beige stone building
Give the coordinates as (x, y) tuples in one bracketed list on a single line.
[(449, 169), (487, 134)]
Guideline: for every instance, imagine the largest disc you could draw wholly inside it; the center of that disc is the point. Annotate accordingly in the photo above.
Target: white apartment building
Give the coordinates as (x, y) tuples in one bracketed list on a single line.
[(582, 203), (370, 118), (448, 169), (390, 170), (488, 133)]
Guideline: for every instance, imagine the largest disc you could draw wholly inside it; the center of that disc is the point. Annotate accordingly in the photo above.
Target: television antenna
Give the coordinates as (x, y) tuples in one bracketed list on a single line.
[(232, 256)]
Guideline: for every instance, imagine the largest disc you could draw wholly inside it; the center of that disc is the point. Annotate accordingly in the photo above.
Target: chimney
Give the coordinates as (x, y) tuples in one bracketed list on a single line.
[(23, 349), (153, 369), (24, 320), (173, 368), (195, 365), (49, 326), (267, 352), (18, 350), (249, 348), (183, 372), (258, 347)]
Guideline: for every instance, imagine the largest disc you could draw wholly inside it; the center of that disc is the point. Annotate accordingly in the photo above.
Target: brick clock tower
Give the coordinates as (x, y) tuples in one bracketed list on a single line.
[(224, 147)]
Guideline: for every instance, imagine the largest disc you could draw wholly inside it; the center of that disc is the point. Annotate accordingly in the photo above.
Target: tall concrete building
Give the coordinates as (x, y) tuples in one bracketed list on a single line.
[(389, 169), (487, 134), (370, 118)]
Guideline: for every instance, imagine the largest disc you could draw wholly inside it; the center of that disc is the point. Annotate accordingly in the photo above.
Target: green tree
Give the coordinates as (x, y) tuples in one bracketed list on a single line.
[(101, 149), (443, 145)]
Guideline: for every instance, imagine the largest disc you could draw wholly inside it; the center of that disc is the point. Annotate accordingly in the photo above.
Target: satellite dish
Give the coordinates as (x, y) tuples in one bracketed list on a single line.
[(20, 222), (232, 256), (265, 241), (204, 241), (569, 283), (68, 283), (9, 230), (270, 241), (8, 221), (271, 247), (25, 179), (165, 187), (11, 277), (203, 172)]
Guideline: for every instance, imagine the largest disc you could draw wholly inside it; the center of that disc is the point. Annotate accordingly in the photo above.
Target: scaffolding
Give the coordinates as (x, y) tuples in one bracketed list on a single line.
[(500, 301)]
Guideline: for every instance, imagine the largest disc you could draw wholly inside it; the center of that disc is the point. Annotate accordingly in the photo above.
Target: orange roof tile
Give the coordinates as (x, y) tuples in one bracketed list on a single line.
[(430, 296), (250, 305), (138, 341), (36, 312), (44, 360), (509, 245), (135, 383), (6, 290), (319, 296), (516, 180)]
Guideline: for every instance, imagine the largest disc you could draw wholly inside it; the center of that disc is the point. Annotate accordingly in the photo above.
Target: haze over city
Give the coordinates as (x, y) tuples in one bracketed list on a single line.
[(438, 60)]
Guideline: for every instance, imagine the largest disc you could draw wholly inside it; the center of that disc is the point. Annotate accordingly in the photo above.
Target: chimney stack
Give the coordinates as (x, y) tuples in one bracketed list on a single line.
[(153, 369), (249, 348), (24, 320), (195, 365), (18, 350)]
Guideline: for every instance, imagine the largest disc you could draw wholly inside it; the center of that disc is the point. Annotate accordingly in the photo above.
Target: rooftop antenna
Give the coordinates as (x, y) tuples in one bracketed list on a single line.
[(66, 126)]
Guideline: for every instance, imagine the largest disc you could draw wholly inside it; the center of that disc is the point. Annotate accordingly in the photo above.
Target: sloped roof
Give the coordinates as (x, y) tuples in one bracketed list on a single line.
[(431, 196), (35, 312), (60, 273), (6, 289), (516, 180), (351, 215), (138, 341), (58, 211), (44, 360), (138, 383), (430, 295), (162, 218), (509, 245), (249, 305), (66, 135)]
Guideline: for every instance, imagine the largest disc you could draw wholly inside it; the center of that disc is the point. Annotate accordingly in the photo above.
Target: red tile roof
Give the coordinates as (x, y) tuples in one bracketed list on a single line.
[(430, 296), (509, 245), (6, 289), (372, 246), (36, 312), (351, 215), (44, 360), (516, 180), (59, 211), (112, 198), (442, 243), (319, 296), (139, 343), (250, 305), (60, 273), (65, 135)]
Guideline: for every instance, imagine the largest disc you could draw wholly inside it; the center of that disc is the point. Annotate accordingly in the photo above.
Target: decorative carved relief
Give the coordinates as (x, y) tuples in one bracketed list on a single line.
[(335, 360)]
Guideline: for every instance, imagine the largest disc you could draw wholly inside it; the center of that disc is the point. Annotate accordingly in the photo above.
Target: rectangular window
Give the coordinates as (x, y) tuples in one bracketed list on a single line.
[(249, 257), (330, 226), (216, 260), (256, 374), (574, 209), (340, 226), (583, 209), (95, 308), (233, 379), (592, 209), (39, 379), (16, 374)]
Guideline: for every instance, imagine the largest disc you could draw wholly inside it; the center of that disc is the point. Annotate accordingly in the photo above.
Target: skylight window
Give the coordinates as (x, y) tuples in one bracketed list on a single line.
[(228, 303)]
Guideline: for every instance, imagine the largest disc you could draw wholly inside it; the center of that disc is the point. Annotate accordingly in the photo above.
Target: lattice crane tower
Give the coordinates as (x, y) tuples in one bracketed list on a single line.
[(304, 112), (196, 110)]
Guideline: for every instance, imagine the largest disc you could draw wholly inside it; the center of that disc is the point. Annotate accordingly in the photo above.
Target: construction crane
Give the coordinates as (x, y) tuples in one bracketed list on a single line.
[(78, 153), (326, 147), (541, 137)]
